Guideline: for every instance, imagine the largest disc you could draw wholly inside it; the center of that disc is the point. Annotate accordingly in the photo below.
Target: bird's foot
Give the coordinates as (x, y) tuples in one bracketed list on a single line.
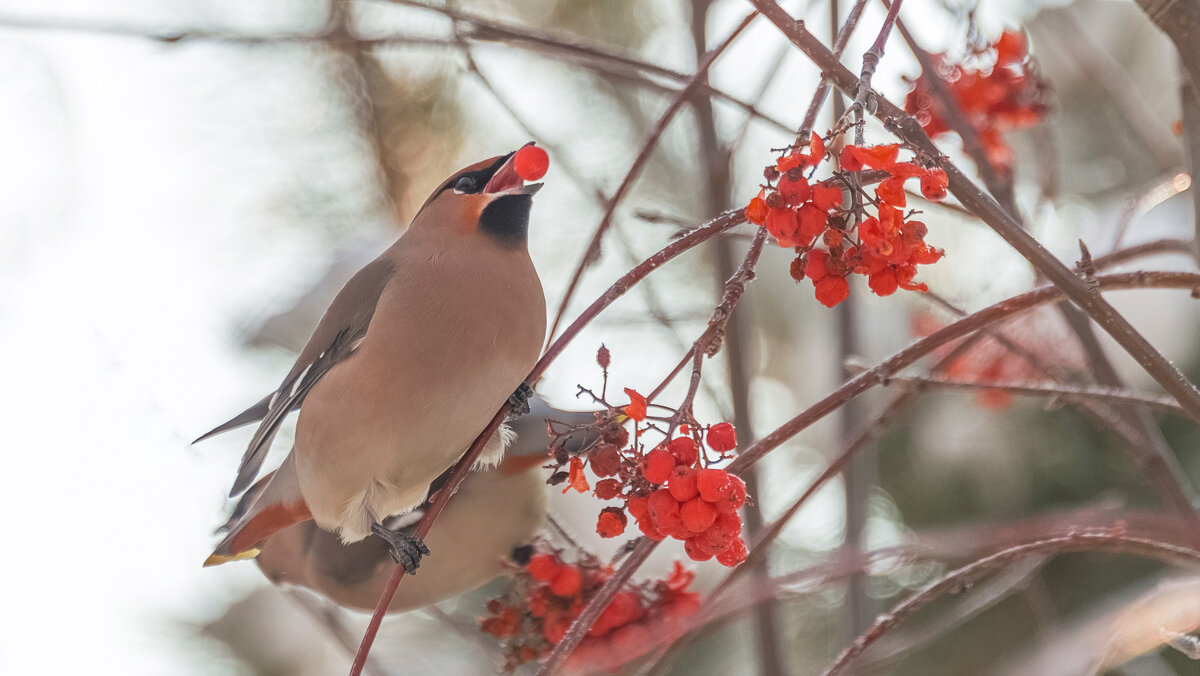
[(405, 549), (519, 401)]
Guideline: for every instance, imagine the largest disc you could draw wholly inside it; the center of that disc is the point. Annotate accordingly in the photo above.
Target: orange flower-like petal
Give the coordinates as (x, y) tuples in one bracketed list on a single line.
[(637, 405)]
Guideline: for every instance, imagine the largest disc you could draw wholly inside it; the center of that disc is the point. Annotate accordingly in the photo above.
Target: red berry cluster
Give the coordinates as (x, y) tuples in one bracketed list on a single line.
[(806, 216), (696, 505), (548, 594), (1001, 92), (672, 490)]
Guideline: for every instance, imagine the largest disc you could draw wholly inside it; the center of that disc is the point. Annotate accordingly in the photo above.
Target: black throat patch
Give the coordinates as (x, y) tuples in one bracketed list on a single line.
[(506, 219)]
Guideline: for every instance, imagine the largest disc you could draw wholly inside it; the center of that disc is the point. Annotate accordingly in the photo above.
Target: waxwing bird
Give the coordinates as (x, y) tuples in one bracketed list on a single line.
[(411, 360), (481, 532)]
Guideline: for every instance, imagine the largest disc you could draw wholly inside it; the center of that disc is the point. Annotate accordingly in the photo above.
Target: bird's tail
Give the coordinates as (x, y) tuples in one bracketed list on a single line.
[(272, 504)]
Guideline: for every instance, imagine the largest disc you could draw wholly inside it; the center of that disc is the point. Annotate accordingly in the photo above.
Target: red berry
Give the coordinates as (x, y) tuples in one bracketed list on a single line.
[(664, 510), (607, 489), (697, 515), (626, 607), (832, 290), (685, 451), (567, 582), (934, 183), (657, 466), (727, 523), (682, 483), (543, 567), (682, 604), (756, 211), (611, 523), (531, 163), (712, 483), (735, 554), (722, 437), (733, 497), (638, 508), (605, 461), (555, 629), (648, 529), (695, 552), (715, 540)]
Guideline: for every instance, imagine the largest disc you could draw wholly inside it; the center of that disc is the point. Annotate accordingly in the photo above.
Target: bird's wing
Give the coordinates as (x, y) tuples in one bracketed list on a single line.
[(337, 337), (251, 415)]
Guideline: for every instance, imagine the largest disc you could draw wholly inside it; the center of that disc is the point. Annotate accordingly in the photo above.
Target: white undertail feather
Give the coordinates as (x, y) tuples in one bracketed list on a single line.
[(493, 450)]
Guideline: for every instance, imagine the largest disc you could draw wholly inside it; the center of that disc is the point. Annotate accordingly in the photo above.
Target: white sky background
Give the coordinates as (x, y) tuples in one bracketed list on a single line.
[(144, 220)]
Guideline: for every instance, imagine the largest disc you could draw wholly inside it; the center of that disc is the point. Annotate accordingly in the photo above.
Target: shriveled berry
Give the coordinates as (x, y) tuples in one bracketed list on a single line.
[(664, 510), (607, 489), (567, 582), (712, 483), (605, 460), (722, 437), (543, 567), (611, 523), (734, 554), (697, 515), (531, 163), (682, 483), (685, 451), (657, 466)]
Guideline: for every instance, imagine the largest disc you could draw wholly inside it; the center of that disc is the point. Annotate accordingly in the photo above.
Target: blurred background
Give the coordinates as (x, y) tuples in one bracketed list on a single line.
[(186, 184)]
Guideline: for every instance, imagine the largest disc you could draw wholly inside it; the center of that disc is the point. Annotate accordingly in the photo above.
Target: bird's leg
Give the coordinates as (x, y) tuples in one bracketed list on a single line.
[(405, 549), (519, 401)]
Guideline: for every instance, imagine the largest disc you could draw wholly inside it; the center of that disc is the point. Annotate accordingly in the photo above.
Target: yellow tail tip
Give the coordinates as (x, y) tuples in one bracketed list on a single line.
[(218, 559)]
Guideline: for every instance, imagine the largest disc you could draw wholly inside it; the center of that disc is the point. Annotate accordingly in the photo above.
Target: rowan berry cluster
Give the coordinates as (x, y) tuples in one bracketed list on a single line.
[(834, 236), (548, 594), (672, 490), (998, 90)]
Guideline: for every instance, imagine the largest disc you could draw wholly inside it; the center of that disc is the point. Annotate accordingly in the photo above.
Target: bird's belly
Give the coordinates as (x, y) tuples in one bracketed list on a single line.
[(367, 447)]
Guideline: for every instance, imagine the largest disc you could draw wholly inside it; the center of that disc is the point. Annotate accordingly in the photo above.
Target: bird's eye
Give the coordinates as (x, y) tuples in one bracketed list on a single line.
[(465, 184)]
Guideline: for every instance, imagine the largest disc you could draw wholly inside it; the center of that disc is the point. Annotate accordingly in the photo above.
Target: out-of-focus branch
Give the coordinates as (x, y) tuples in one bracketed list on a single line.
[(1105, 540), (1180, 20), (592, 252), (1068, 392), (1189, 99)]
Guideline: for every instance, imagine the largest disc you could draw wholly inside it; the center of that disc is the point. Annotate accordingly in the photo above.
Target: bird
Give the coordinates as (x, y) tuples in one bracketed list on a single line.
[(408, 364), (484, 531)]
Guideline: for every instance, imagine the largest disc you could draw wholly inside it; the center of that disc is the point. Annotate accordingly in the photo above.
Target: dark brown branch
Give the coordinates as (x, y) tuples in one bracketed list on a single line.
[(880, 373)]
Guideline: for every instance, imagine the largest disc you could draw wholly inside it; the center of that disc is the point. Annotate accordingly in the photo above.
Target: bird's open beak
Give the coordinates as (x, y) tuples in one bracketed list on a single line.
[(506, 181)]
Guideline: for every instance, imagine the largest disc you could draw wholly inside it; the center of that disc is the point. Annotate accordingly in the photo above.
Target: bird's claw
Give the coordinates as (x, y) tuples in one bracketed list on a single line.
[(405, 549), (519, 401)]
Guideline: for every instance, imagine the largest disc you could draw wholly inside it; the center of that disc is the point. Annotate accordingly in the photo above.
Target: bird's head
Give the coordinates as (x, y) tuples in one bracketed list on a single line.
[(488, 198)]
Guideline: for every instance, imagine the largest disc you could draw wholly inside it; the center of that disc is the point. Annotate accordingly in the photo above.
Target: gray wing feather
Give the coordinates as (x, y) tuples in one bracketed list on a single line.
[(336, 338)]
